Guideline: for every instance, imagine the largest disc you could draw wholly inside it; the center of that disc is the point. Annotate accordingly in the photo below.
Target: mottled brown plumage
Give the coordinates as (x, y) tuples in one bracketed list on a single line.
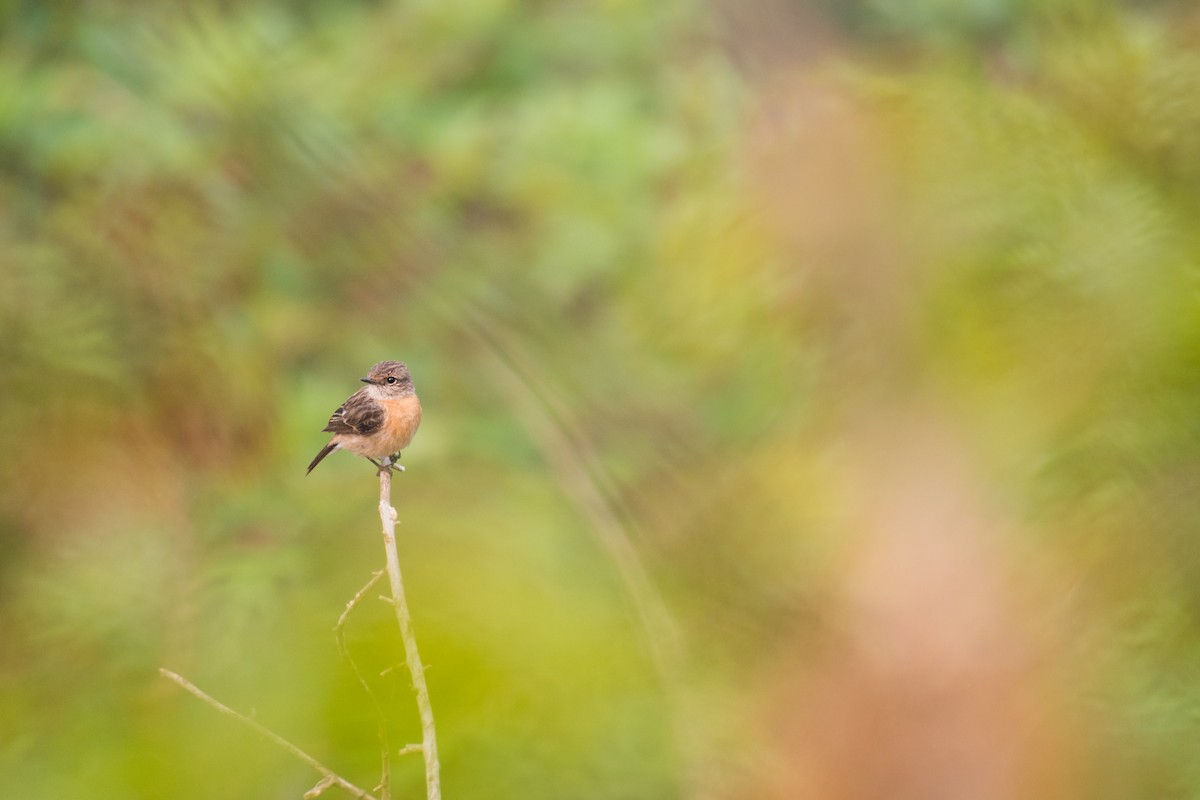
[(361, 415), (380, 419)]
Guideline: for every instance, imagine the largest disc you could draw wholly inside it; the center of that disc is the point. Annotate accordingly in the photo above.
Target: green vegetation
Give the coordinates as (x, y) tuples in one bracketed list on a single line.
[(708, 307)]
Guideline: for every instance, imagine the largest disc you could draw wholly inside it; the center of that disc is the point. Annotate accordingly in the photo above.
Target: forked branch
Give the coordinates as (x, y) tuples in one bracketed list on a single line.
[(428, 745)]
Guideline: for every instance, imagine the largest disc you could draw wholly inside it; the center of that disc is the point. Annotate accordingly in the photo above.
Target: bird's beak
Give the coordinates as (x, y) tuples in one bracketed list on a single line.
[(365, 380)]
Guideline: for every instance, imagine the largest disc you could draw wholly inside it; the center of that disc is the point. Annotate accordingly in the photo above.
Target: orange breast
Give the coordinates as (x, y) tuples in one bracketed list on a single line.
[(403, 419)]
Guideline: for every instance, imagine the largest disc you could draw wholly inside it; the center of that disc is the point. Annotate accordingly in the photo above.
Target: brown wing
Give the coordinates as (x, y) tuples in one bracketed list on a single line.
[(360, 415)]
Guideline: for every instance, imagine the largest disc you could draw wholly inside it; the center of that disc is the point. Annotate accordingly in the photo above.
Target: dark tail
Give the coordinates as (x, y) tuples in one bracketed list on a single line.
[(326, 450)]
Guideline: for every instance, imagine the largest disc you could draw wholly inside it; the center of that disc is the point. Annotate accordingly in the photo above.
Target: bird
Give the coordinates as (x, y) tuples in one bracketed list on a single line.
[(377, 421)]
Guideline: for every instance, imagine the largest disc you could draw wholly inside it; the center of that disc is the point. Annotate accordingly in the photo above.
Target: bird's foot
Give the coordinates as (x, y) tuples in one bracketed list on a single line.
[(387, 462)]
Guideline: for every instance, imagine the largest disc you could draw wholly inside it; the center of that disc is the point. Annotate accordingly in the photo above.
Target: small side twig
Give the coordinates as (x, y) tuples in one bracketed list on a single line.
[(387, 514), (354, 601), (329, 777), (319, 789)]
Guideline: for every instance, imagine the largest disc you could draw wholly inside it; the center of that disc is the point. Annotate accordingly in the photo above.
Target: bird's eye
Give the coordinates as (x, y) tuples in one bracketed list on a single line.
[(391, 379)]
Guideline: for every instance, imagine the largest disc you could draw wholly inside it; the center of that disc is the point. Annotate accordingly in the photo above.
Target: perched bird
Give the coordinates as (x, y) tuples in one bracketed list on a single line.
[(377, 421)]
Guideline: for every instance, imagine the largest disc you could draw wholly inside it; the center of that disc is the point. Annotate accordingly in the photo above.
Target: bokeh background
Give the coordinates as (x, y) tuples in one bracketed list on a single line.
[(812, 394)]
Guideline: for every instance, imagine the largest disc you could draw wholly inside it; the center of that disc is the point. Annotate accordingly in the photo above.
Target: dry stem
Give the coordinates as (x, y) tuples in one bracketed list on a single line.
[(387, 514), (329, 777)]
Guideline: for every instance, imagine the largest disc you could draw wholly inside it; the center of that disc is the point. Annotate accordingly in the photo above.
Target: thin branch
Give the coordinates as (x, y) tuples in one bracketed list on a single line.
[(339, 634), (387, 514), (329, 776), (354, 601)]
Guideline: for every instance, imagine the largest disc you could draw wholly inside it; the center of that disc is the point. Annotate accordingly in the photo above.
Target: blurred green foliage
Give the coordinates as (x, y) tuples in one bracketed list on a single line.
[(649, 292)]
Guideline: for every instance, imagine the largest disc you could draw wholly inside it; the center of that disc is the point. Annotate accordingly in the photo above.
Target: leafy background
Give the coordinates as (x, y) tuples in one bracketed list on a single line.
[(810, 394)]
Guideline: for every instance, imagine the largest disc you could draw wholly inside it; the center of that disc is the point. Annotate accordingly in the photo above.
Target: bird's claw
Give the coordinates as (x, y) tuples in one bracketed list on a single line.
[(387, 462)]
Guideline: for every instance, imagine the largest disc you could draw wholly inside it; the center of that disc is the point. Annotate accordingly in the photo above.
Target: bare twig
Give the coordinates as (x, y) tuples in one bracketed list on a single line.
[(339, 634), (329, 777), (387, 514), (354, 601)]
